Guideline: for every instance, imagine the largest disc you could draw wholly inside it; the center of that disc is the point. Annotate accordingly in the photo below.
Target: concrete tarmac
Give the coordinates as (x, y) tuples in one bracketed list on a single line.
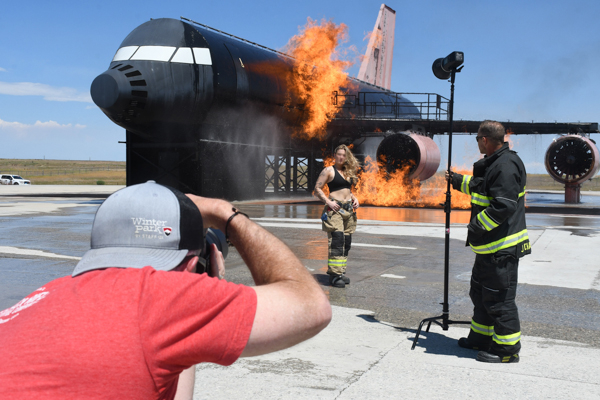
[(396, 267)]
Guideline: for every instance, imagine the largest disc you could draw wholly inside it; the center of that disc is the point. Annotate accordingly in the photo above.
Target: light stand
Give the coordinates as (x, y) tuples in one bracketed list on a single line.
[(444, 69)]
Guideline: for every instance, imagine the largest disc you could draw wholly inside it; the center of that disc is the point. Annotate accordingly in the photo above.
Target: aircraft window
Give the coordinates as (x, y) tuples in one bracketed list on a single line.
[(153, 53), (124, 53), (183, 55), (202, 56)]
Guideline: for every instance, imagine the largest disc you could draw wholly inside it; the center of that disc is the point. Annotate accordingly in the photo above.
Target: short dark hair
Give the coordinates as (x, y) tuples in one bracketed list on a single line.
[(493, 130)]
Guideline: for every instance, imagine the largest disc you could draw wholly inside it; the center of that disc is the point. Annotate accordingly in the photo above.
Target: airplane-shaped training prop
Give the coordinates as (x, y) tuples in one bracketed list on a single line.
[(217, 115)]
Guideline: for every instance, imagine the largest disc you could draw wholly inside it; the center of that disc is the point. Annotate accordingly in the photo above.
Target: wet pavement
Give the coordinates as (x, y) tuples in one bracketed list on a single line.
[(396, 263), (396, 267)]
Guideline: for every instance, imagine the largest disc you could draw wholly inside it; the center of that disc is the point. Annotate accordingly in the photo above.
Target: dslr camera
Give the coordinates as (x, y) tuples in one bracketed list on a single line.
[(213, 236)]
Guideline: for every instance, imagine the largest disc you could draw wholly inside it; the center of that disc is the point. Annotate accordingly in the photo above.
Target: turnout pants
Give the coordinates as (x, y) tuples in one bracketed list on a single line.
[(339, 225), (495, 316)]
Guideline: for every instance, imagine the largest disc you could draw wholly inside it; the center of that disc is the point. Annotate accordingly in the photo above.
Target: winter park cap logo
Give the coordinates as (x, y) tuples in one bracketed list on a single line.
[(150, 226)]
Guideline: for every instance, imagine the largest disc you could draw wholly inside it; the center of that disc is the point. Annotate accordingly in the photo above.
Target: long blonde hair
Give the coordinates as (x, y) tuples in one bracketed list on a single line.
[(351, 165)]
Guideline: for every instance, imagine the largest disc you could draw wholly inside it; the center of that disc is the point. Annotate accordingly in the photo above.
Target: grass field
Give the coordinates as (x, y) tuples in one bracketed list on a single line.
[(66, 172), (70, 172)]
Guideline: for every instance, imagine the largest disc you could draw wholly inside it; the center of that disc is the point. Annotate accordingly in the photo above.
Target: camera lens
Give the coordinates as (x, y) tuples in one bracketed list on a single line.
[(217, 237)]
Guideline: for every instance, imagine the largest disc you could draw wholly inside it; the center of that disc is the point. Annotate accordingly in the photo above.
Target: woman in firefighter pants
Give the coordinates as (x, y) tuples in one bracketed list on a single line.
[(339, 215)]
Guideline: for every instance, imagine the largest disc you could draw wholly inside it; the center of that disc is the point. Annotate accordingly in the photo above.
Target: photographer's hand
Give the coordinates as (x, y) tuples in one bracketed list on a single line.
[(217, 262)]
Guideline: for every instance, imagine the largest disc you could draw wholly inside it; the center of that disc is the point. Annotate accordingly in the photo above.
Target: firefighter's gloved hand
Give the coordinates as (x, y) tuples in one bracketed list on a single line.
[(449, 175)]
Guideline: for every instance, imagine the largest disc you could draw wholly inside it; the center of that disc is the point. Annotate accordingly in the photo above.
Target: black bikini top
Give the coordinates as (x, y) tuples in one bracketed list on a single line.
[(338, 182)]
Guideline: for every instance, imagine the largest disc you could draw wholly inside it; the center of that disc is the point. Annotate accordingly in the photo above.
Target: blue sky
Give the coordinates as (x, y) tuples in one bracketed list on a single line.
[(524, 61)]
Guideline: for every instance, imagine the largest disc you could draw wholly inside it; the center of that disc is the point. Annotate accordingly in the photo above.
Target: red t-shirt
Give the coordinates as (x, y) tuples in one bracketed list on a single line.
[(120, 334)]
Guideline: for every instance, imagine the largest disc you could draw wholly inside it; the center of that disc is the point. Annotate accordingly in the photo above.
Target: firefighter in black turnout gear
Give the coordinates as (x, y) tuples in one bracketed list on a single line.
[(339, 215), (498, 235)]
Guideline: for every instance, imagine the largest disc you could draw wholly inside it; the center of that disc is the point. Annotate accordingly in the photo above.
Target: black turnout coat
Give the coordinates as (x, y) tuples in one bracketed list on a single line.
[(497, 190)]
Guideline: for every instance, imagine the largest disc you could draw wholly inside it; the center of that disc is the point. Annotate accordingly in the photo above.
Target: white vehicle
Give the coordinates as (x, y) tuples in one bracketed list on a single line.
[(6, 179)]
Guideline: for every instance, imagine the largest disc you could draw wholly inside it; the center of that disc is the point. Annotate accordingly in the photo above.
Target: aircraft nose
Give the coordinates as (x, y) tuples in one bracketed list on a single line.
[(121, 93), (105, 91)]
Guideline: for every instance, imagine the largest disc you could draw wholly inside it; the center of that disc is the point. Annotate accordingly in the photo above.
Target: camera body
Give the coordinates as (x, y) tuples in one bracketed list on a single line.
[(216, 237)]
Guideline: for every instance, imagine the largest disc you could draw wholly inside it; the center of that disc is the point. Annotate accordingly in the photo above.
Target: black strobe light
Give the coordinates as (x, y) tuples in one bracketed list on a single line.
[(442, 67)]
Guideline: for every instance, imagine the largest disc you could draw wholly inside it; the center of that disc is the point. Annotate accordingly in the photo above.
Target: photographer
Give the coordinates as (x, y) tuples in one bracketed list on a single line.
[(133, 316)]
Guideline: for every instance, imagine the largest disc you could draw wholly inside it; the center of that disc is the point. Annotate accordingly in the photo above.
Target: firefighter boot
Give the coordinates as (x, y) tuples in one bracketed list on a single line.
[(466, 343), (337, 281), (484, 356)]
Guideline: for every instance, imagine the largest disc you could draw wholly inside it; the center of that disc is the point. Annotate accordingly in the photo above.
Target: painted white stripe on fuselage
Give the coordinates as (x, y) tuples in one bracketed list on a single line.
[(153, 53), (183, 55), (125, 53), (202, 56), (164, 53)]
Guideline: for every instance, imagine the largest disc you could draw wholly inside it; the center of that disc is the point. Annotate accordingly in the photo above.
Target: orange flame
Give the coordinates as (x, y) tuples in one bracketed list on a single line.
[(376, 35), (318, 72), (376, 187), (328, 161), (508, 138)]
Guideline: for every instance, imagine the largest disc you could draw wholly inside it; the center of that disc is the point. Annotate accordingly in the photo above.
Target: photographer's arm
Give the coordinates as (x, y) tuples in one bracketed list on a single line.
[(291, 306), (185, 384)]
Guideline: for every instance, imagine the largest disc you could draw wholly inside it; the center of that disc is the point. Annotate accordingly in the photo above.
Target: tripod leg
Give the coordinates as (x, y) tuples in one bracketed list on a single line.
[(418, 333)]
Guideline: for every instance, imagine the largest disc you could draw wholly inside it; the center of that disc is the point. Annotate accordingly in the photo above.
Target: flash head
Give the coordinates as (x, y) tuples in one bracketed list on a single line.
[(442, 67)]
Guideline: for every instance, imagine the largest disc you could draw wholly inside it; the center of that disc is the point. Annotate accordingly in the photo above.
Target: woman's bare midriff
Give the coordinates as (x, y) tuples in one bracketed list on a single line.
[(341, 195)]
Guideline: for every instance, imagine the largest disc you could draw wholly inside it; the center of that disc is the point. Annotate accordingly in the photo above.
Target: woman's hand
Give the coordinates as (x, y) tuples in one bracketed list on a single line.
[(333, 205), (355, 203)]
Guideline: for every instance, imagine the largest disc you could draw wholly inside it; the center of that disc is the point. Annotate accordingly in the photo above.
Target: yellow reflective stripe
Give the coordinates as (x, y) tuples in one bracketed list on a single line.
[(504, 243), (507, 340), (480, 199), (523, 192), (464, 186), (337, 262), (487, 222), (482, 329)]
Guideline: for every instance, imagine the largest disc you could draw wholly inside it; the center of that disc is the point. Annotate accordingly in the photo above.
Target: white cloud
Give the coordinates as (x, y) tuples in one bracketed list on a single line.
[(39, 125), (2, 69), (49, 93)]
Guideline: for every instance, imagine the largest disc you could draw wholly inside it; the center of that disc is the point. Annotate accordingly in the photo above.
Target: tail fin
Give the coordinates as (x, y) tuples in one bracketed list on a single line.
[(376, 67)]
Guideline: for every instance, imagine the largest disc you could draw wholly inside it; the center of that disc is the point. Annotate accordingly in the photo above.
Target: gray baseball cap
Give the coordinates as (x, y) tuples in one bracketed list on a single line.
[(143, 225)]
